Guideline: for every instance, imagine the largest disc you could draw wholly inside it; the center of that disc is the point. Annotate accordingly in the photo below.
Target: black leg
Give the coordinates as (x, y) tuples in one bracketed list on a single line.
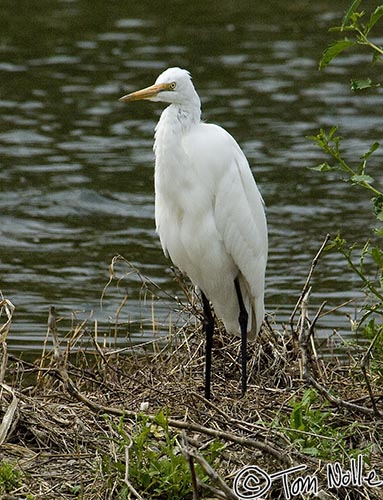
[(243, 319), (208, 324)]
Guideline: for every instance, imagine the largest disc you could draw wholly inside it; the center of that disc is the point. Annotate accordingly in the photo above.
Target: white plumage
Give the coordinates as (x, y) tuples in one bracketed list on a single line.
[(209, 213)]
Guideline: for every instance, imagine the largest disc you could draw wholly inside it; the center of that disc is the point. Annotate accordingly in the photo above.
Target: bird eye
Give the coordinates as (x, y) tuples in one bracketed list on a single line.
[(172, 86)]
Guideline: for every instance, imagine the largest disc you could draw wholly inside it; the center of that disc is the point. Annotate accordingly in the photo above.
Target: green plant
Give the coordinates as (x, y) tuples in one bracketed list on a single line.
[(10, 477), (373, 330), (312, 429), (365, 259), (355, 23), (330, 143), (157, 467)]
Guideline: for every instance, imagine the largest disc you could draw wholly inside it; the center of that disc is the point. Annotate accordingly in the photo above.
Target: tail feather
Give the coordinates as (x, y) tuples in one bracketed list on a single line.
[(254, 307)]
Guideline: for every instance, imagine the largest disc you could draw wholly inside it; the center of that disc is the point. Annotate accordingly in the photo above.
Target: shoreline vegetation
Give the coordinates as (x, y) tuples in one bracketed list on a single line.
[(84, 421)]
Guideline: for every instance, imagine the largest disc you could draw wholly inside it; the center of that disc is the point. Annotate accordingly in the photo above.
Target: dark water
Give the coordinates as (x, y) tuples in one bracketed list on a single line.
[(76, 177)]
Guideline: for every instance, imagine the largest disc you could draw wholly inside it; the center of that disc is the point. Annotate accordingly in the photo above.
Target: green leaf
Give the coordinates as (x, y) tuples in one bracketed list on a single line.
[(372, 149), (355, 4), (363, 164), (377, 58), (340, 28), (334, 50), (377, 255), (378, 206), (297, 418), (308, 397), (357, 179), (332, 132), (361, 84), (323, 167), (312, 451), (330, 246), (375, 16), (339, 241)]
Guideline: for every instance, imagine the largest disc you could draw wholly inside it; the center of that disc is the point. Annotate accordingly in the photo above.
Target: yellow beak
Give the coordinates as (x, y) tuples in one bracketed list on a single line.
[(146, 93)]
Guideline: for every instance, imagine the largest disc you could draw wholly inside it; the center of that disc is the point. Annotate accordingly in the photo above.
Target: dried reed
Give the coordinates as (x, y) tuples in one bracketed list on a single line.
[(53, 425)]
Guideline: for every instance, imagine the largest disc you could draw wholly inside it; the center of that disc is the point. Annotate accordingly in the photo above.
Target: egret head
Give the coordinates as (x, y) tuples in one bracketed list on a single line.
[(173, 86)]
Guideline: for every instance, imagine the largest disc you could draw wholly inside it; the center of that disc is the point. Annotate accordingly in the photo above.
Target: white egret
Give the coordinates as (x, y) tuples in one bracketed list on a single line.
[(209, 213)]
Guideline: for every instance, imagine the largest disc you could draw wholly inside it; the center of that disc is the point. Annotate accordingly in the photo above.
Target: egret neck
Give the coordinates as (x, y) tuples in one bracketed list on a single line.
[(172, 179), (176, 120)]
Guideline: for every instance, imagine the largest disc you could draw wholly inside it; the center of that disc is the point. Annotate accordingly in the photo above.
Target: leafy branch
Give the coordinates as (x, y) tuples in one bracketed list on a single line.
[(359, 269), (354, 23), (329, 142), (359, 25)]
